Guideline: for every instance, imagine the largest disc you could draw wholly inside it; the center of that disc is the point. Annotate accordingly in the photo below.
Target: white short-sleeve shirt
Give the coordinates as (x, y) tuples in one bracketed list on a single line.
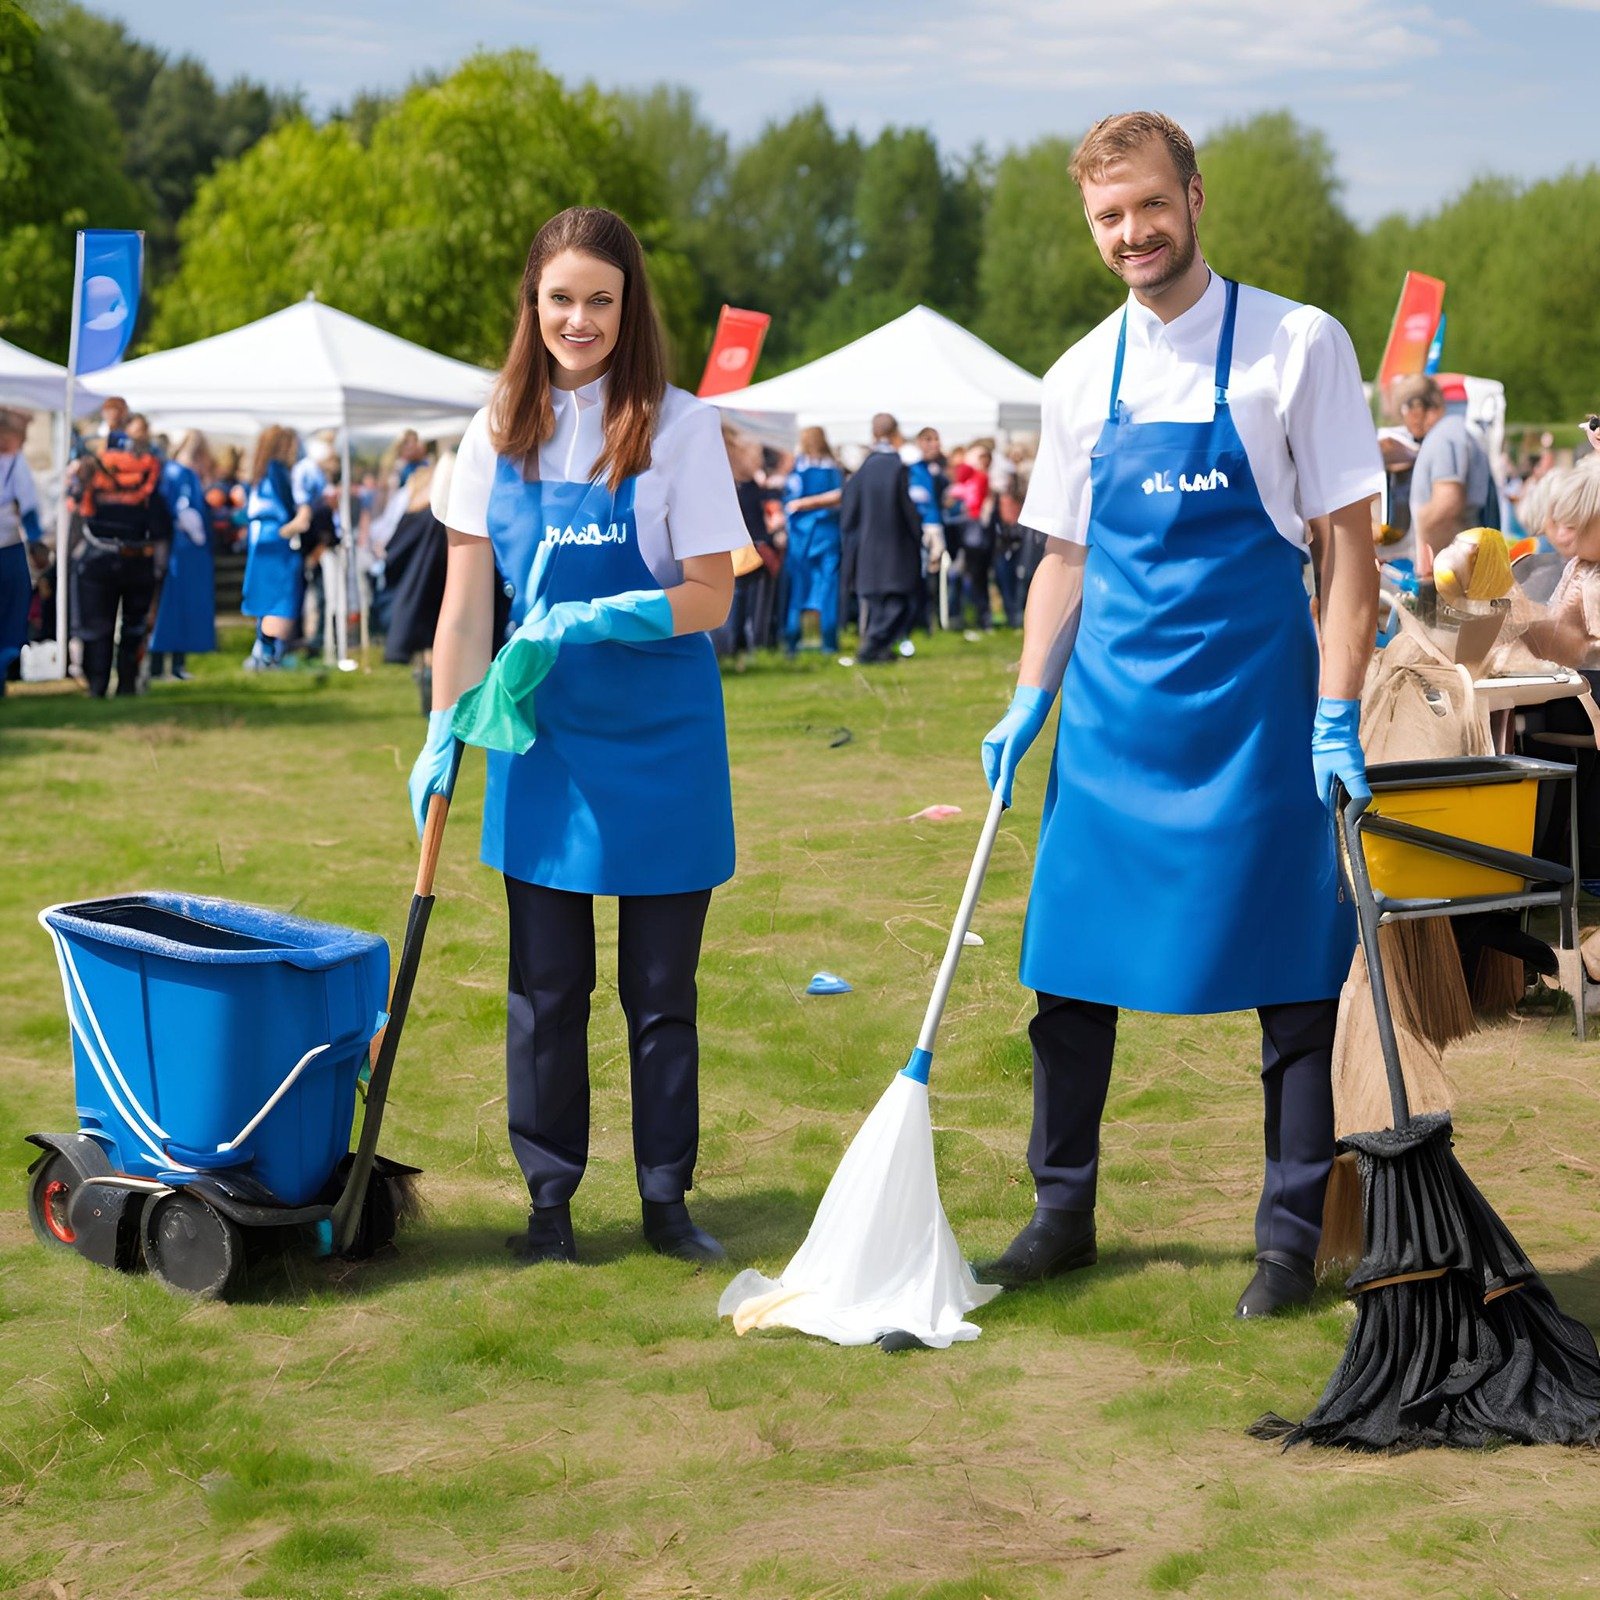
[(1294, 390), (18, 496), (684, 501)]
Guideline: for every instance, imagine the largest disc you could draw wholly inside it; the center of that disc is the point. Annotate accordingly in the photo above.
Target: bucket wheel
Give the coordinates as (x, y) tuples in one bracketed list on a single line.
[(55, 1181), (189, 1246)]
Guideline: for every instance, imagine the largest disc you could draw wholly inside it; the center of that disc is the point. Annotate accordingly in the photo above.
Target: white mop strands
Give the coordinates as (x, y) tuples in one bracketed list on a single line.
[(880, 1258)]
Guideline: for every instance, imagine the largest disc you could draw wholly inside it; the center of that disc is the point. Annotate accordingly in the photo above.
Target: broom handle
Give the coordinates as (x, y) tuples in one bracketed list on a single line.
[(958, 934), (1354, 860)]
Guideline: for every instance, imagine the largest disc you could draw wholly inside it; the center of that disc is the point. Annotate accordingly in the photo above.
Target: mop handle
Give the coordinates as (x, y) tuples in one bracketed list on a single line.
[(958, 933), (432, 843)]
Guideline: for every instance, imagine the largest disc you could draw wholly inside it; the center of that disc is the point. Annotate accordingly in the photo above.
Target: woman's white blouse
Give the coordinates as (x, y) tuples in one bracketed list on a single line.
[(684, 501)]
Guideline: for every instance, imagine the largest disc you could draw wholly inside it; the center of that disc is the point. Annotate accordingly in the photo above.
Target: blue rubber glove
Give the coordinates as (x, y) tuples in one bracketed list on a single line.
[(435, 769), (1008, 740), (1336, 750), (630, 618)]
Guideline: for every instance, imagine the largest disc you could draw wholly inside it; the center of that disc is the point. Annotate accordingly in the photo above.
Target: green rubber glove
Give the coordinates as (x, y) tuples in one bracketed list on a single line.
[(499, 713)]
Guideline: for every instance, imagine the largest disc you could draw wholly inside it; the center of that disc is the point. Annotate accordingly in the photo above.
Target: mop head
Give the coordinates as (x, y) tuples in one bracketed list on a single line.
[(880, 1257)]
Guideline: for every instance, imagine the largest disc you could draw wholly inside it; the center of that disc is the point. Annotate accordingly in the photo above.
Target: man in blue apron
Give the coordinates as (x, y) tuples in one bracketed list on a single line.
[(1192, 444)]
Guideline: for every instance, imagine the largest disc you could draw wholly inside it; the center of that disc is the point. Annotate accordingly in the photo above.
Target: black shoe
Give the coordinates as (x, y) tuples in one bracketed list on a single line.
[(1055, 1241), (1283, 1282), (670, 1231), (549, 1237)]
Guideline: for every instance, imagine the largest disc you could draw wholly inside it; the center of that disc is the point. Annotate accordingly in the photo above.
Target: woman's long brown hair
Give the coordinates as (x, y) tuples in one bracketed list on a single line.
[(520, 414)]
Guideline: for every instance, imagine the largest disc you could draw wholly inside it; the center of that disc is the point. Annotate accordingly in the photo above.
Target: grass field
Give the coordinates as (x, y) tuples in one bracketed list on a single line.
[(438, 1423)]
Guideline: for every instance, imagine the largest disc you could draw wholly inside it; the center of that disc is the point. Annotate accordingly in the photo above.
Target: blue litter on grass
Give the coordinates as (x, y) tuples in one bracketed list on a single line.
[(828, 983)]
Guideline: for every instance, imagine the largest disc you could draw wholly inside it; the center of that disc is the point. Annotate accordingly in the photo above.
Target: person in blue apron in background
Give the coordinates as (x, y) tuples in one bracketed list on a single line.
[(811, 505), (605, 499), (1186, 858), (19, 527), (186, 613), (274, 582)]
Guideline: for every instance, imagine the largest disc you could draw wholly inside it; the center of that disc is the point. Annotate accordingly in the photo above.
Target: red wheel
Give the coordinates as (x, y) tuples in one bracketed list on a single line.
[(49, 1198)]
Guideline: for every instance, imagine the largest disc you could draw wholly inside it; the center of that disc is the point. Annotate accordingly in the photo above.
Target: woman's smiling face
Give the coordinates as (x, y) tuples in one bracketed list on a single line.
[(580, 312)]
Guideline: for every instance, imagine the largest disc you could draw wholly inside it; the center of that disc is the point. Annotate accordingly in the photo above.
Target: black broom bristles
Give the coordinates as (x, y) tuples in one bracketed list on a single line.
[(1457, 1341)]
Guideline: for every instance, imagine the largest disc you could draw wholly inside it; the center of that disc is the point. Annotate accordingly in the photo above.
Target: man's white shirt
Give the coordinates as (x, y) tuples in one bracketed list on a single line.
[(1294, 390)]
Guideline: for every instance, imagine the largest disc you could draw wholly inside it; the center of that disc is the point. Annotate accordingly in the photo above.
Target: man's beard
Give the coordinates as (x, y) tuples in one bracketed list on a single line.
[(1180, 258)]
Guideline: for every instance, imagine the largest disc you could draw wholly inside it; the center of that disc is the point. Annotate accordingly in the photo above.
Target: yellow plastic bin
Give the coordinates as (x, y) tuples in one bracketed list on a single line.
[(1489, 800)]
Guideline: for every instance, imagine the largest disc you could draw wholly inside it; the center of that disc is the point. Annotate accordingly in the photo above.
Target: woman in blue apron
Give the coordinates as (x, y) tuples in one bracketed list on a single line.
[(19, 527), (604, 499), (186, 614), (274, 585), (1186, 857), (811, 565)]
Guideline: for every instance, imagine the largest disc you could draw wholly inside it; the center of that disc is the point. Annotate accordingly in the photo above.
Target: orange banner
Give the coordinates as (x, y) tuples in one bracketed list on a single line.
[(735, 351), (1415, 319)]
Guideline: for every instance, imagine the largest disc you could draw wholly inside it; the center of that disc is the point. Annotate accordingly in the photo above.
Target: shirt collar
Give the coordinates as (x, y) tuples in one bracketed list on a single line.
[(884, 444), (585, 398), (1192, 334)]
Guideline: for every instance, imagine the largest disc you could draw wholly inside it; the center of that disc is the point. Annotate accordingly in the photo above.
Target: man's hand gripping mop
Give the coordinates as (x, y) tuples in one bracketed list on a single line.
[(880, 1264)]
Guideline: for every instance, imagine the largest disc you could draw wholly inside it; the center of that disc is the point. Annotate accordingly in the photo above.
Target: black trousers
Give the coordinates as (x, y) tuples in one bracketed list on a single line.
[(888, 622), (547, 1035), (107, 580), (1073, 1043)]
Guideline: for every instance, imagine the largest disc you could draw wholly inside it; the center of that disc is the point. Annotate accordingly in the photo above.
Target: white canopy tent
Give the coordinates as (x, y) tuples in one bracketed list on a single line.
[(307, 367), (31, 381), (923, 368)]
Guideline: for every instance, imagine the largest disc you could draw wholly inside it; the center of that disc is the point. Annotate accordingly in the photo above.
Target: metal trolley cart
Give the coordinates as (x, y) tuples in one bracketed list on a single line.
[(1451, 837)]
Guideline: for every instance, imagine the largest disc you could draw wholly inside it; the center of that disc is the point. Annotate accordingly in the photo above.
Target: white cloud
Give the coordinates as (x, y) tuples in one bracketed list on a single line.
[(1115, 45)]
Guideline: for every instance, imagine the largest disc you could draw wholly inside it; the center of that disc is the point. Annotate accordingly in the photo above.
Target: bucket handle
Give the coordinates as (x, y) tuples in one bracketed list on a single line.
[(358, 1037)]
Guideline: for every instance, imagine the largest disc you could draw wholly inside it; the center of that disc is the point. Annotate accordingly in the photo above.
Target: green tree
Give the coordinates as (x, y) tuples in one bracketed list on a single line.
[(59, 171), (1273, 216), (424, 229), (1041, 283), (784, 233), (664, 130), (918, 230), (1518, 265), (175, 123)]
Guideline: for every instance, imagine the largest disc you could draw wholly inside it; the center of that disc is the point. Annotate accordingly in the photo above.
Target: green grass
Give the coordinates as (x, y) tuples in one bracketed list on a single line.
[(439, 1423)]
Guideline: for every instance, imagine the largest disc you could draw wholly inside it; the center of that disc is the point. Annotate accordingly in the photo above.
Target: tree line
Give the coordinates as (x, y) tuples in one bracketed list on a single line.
[(414, 211)]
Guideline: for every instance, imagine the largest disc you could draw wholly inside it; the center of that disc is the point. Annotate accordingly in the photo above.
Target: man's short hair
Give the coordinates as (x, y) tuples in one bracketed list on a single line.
[(927, 433), (884, 426), (1115, 138), (1417, 386)]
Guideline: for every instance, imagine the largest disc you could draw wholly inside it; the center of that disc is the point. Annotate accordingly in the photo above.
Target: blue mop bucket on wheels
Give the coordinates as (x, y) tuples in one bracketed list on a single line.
[(210, 1036)]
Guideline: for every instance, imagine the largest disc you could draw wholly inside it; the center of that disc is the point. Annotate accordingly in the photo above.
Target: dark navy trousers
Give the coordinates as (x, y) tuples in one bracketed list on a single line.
[(1073, 1043), (547, 1035)]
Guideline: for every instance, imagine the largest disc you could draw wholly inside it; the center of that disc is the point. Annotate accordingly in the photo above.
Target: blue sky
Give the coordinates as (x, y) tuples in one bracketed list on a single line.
[(1416, 99)]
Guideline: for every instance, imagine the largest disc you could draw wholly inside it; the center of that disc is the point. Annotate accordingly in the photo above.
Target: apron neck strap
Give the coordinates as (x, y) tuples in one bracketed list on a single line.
[(1116, 367), (1224, 351), (1225, 343)]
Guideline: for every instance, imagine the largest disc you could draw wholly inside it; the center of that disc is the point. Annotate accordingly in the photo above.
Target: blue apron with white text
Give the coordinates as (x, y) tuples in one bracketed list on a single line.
[(186, 618), (272, 569), (625, 790), (1186, 863)]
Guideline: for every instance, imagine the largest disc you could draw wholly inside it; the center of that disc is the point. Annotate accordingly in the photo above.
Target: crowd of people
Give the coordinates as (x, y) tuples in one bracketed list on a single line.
[(884, 543), (892, 541)]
